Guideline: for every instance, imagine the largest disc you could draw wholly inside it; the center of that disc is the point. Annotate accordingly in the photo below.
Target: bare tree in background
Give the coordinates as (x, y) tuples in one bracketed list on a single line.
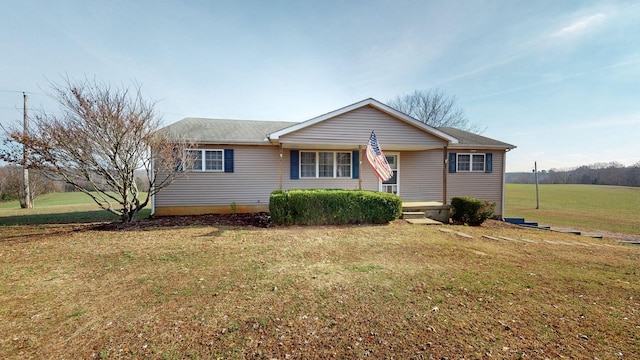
[(11, 183), (101, 135), (436, 109)]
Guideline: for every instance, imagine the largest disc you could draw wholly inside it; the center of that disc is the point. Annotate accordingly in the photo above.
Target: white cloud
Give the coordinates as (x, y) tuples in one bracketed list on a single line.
[(529, 45), (580, 26)]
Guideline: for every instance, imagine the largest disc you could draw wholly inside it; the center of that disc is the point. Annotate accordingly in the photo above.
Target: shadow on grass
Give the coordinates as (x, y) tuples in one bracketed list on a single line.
[(74, 217)]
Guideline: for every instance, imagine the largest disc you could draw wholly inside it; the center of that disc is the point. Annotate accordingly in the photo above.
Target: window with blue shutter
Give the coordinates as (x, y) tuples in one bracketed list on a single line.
[(470, 162), (324, 164), (294, 165)]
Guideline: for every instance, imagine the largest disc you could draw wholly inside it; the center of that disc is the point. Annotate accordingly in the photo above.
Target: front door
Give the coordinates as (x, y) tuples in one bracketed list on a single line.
[(392, 185)]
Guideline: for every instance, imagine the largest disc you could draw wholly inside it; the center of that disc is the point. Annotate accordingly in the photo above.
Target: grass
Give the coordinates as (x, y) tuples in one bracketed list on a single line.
[(58, 208), (594, 207), (392, 291)]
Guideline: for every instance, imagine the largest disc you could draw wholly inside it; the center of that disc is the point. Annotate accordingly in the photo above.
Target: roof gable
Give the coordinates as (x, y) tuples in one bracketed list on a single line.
[(367, 102)]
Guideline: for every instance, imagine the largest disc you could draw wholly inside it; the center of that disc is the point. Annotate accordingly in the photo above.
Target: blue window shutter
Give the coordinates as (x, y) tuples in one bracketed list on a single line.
[(355, 164), (295, 164), (228, 160), (452, 162), (488, 159)]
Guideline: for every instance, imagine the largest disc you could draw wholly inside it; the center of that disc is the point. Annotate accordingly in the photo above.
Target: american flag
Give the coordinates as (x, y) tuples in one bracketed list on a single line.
[(376, 159)]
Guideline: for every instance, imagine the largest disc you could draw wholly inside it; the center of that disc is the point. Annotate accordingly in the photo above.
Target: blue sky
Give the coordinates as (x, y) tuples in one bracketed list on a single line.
[(559, 79)]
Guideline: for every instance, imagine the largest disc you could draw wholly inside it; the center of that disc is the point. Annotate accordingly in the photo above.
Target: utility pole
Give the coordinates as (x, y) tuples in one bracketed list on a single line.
[(535, 170), (25, 171)]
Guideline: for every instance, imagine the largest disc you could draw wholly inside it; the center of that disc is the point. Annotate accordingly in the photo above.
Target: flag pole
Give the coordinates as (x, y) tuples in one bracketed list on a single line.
[(359, 167)]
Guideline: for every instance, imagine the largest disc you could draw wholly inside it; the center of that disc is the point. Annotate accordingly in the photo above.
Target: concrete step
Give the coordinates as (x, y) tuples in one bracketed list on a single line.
[(413, 214), (423, 221)]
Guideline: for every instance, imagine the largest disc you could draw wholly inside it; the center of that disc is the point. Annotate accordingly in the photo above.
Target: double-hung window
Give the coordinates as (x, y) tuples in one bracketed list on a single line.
[(470, 163), (206, 160), (325, 164)]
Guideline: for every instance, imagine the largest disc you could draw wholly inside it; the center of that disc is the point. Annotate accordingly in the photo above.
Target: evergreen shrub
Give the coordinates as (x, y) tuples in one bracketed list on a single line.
[(333, 206)]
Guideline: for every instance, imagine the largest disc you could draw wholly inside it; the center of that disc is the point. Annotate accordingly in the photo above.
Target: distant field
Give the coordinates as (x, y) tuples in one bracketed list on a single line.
[(589, 207), (57, 208)]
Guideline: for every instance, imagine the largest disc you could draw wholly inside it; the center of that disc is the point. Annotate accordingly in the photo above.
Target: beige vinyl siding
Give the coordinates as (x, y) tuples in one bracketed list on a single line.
[(255, 176), (353, 128), (421, 175), (485, 186), (369, 179)]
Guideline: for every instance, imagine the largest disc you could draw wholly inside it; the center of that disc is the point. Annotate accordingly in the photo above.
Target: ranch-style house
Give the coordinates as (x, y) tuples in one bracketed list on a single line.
[(238, 163)]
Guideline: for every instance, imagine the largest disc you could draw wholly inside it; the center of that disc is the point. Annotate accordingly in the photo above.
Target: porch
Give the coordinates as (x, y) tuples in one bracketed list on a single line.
[(426, 212)]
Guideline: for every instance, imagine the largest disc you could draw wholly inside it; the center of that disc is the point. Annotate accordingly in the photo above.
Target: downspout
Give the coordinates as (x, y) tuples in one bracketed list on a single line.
[(445, 160), (280, 146), (504, 179)]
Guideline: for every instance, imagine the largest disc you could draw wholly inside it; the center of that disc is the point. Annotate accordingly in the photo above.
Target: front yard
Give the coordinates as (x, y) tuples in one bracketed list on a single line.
[(391, 291)]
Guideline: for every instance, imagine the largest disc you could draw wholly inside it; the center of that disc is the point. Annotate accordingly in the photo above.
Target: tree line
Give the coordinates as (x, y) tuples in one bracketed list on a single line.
[(11, 187), (612, 173)]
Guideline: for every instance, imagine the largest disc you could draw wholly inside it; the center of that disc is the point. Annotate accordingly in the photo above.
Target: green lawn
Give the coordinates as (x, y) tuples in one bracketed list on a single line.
[(395, 291), (58, 208), (205, 291), (589, 207)]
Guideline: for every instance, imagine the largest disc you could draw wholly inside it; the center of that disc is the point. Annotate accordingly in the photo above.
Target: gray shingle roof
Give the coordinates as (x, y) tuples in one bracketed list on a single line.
[(468, 139), (203, 130)]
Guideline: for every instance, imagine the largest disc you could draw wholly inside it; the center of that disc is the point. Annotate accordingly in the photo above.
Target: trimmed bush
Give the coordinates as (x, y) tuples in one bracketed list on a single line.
[(471, 211), (333, 206)]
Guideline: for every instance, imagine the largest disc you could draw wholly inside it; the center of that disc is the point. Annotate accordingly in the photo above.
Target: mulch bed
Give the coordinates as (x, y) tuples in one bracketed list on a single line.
[(260, 220)]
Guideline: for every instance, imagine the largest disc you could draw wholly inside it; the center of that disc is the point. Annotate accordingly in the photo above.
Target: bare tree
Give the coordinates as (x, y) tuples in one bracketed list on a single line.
[(434, 108), (11, 184), (101, 135)]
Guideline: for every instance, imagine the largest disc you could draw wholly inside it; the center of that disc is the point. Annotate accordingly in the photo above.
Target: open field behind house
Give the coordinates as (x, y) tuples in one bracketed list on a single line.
[(58, 208), (393, 291), (590, 207)]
